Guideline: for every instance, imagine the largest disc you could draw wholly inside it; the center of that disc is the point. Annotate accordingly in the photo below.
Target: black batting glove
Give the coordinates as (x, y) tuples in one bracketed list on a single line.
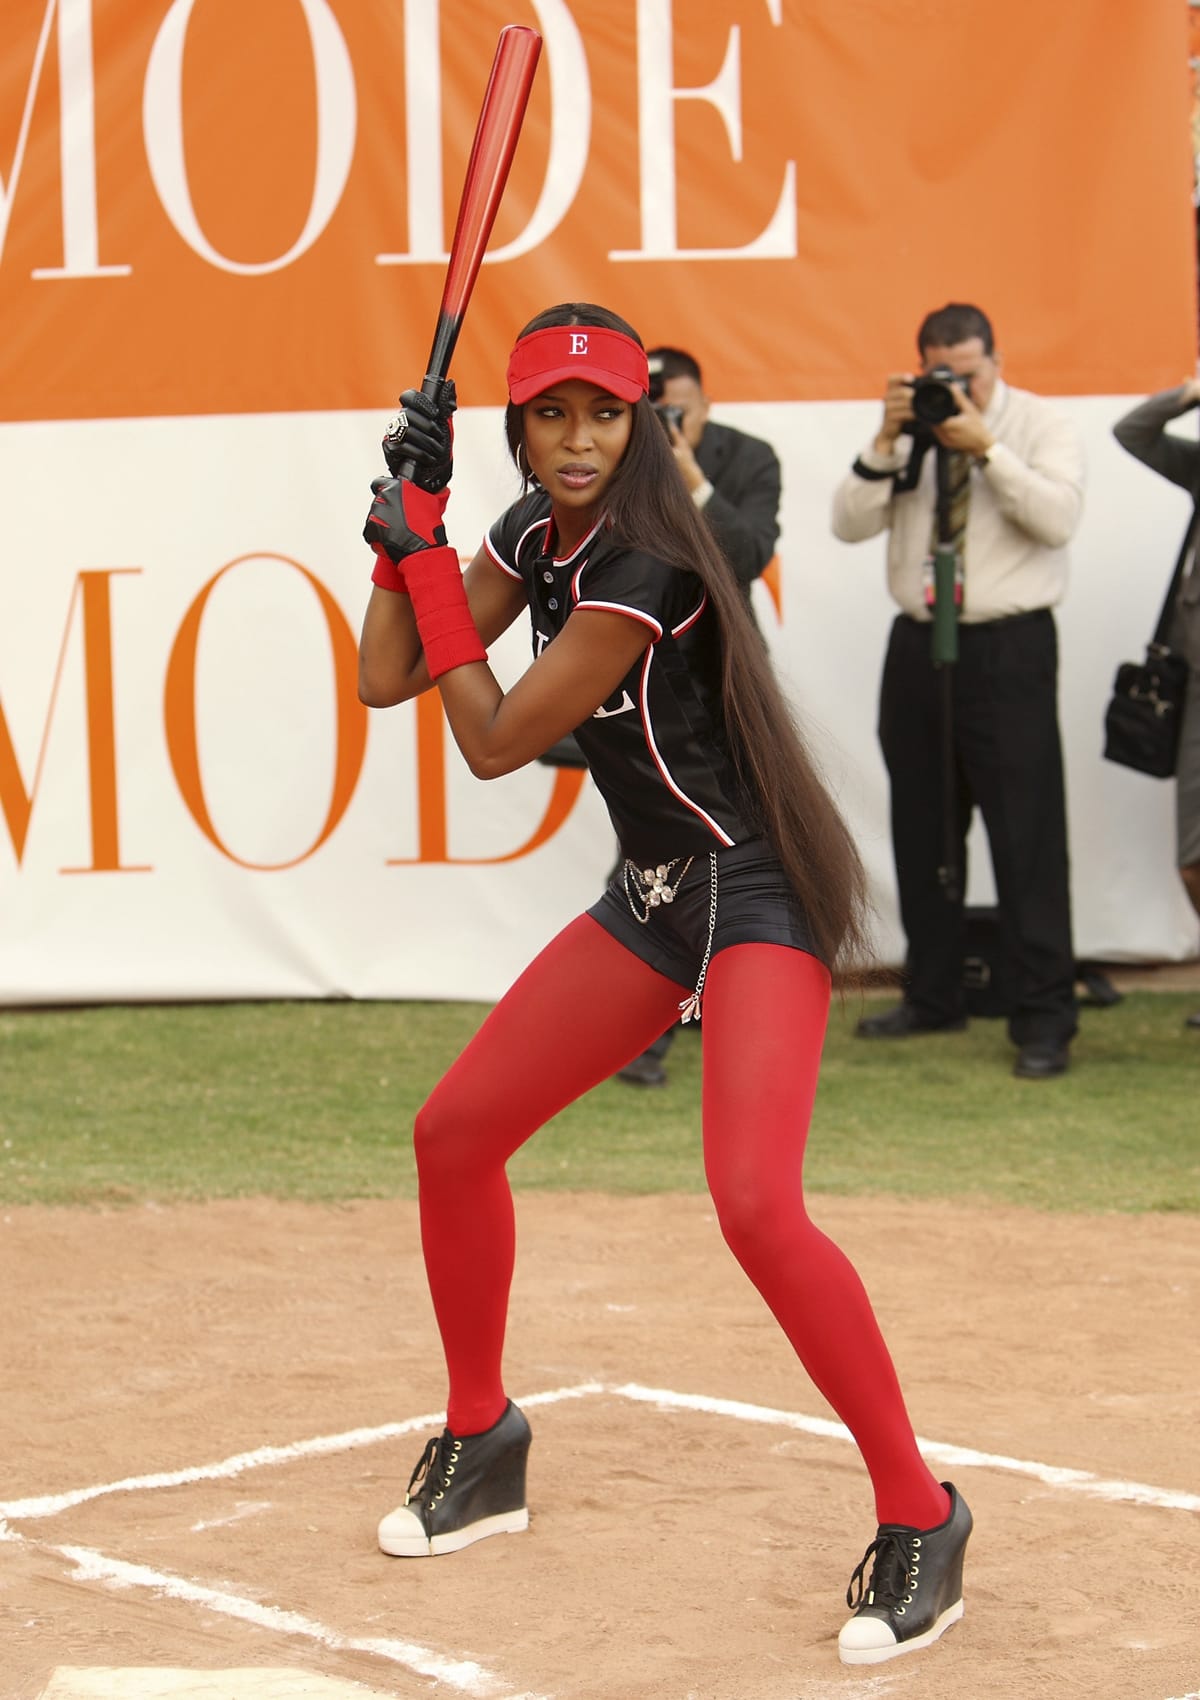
[(422, 435), (404, 519)]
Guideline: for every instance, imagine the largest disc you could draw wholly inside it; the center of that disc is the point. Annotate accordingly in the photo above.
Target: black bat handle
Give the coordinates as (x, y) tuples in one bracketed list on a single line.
[(444, 339)]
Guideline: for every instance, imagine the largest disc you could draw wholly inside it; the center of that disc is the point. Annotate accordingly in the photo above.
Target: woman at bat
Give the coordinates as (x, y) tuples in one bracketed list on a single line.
[(739, 891)]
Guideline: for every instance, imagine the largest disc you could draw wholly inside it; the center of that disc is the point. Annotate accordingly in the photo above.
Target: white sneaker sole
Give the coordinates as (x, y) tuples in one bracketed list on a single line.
[(877, 1655), (403, 1544)]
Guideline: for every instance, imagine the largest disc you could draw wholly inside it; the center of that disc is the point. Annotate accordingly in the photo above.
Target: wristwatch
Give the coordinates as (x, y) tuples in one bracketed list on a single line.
[(985, 459)]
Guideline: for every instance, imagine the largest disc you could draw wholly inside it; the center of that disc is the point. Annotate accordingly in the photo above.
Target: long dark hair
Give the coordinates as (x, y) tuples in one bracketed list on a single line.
[(650, 509)]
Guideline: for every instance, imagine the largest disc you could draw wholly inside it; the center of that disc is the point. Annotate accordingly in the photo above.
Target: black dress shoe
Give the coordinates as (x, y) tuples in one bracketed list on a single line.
[(645, 1070), (901, 1022), (1192, 1020), (1042, 1059)]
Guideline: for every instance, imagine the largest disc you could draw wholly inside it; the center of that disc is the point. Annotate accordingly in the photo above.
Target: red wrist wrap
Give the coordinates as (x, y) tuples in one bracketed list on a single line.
[(448, 633), (386, 573)]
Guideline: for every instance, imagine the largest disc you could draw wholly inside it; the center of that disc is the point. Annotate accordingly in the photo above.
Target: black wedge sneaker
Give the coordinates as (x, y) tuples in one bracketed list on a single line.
[(463, 1488), (915, 1591)]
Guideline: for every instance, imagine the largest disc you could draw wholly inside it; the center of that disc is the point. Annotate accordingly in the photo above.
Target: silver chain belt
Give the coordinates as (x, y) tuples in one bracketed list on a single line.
[(652, 887)]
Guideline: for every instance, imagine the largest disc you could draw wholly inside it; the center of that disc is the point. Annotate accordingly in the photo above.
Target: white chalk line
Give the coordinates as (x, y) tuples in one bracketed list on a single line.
[(936, 1451), (49, 1505), (464, 1675)]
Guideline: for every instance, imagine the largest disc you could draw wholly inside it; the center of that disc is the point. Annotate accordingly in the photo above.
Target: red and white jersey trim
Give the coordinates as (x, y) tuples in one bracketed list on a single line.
[(624, 608), (513, 572), (668, 780), (542, 525), (686, 625)]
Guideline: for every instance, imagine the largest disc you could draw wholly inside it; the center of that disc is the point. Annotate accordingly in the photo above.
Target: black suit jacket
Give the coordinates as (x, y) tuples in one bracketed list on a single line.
[(743, 509)]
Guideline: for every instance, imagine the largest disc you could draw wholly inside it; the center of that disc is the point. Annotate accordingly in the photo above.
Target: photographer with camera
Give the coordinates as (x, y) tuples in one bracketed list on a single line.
[(979, 487), (733, 478)]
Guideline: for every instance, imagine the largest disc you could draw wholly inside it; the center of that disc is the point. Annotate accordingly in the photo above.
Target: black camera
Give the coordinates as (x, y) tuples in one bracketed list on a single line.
[(669, 415), (933, 395)]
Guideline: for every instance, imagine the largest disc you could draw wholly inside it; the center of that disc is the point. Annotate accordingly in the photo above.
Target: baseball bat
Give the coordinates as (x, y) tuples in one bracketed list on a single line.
[(496, 133)]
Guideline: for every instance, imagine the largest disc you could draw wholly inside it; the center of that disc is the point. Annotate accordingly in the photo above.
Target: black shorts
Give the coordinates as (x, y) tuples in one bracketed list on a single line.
[(756, 904)]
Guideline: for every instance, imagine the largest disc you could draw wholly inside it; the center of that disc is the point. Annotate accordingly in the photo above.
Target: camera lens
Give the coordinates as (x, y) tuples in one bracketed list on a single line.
[(933, 401)]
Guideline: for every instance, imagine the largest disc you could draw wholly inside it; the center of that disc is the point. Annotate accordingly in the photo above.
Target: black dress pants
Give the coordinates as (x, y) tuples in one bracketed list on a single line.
[(1007, 761)]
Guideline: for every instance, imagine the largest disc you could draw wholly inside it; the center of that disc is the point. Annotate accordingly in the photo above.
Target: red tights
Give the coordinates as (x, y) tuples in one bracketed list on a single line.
[(765, 1008)]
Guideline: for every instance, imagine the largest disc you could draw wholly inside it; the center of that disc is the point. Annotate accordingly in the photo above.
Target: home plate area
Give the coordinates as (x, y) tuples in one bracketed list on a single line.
[(207, 1410), (163, 1684), (168, 1520)]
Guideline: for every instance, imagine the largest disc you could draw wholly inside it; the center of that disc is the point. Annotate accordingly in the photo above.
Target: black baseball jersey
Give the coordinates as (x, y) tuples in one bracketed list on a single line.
[(658, 750)]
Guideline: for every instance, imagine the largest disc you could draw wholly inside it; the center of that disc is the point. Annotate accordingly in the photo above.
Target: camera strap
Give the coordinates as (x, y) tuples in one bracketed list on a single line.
[(951, 507), (1162, 625), (872, 474)]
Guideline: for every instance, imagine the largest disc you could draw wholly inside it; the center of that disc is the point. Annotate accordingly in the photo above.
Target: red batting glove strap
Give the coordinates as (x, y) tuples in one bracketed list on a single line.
[(448, 634), (423, 509), (404, 519), (386, 573)]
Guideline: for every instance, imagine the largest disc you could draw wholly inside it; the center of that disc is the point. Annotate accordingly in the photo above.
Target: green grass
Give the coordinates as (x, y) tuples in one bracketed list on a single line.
[(316, 1100)]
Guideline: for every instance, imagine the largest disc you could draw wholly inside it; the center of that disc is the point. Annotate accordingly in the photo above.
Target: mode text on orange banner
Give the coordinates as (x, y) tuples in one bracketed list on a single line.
[(210, 207), (94, 812)]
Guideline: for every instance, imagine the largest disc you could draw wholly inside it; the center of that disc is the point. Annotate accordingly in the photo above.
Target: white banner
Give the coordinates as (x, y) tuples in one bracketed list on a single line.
[(222, 247), (196, 806)]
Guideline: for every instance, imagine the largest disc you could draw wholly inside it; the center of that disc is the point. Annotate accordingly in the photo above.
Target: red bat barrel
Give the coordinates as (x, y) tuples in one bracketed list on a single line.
[(496, 133)]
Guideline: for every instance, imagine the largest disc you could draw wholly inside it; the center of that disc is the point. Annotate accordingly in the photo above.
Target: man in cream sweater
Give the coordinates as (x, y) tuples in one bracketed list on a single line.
[(1021, 466)]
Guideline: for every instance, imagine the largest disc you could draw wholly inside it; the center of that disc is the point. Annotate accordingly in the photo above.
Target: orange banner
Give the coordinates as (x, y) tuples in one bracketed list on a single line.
[(214, 207)]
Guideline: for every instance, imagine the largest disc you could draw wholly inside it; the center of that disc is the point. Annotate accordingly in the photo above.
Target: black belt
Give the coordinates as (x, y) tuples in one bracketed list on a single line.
[(984, 625)]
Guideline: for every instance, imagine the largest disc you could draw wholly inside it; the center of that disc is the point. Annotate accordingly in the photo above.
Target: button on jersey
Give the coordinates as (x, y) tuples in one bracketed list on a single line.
[(658, 749)]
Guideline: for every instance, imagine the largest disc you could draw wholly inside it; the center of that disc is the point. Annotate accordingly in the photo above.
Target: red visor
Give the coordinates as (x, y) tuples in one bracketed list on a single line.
[(608, 359)]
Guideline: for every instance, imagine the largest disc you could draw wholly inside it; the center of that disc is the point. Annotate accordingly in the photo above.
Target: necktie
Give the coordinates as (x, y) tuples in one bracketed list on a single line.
[(946, 547), (958, 499)]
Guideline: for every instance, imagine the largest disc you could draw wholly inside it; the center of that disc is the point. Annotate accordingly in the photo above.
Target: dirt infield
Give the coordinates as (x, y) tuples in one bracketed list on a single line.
[(693, 1521)]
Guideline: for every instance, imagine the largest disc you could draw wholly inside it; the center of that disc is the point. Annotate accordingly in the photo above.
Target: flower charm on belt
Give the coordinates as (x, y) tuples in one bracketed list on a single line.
[(657, 889), (651, 887)]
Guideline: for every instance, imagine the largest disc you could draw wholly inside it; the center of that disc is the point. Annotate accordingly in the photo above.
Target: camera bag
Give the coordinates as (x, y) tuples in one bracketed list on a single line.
[(1145, 712), (987, 968)]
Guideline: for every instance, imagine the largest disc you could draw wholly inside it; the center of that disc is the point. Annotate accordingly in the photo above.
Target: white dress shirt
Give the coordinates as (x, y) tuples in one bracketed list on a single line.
[(1026, 499)]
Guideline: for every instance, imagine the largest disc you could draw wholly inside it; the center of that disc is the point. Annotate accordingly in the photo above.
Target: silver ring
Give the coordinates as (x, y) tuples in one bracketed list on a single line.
[(397, 428)]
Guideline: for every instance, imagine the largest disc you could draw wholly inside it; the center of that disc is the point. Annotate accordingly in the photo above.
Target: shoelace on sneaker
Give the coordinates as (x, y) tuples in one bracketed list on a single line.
[(435, 1465), (894, 1578)]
